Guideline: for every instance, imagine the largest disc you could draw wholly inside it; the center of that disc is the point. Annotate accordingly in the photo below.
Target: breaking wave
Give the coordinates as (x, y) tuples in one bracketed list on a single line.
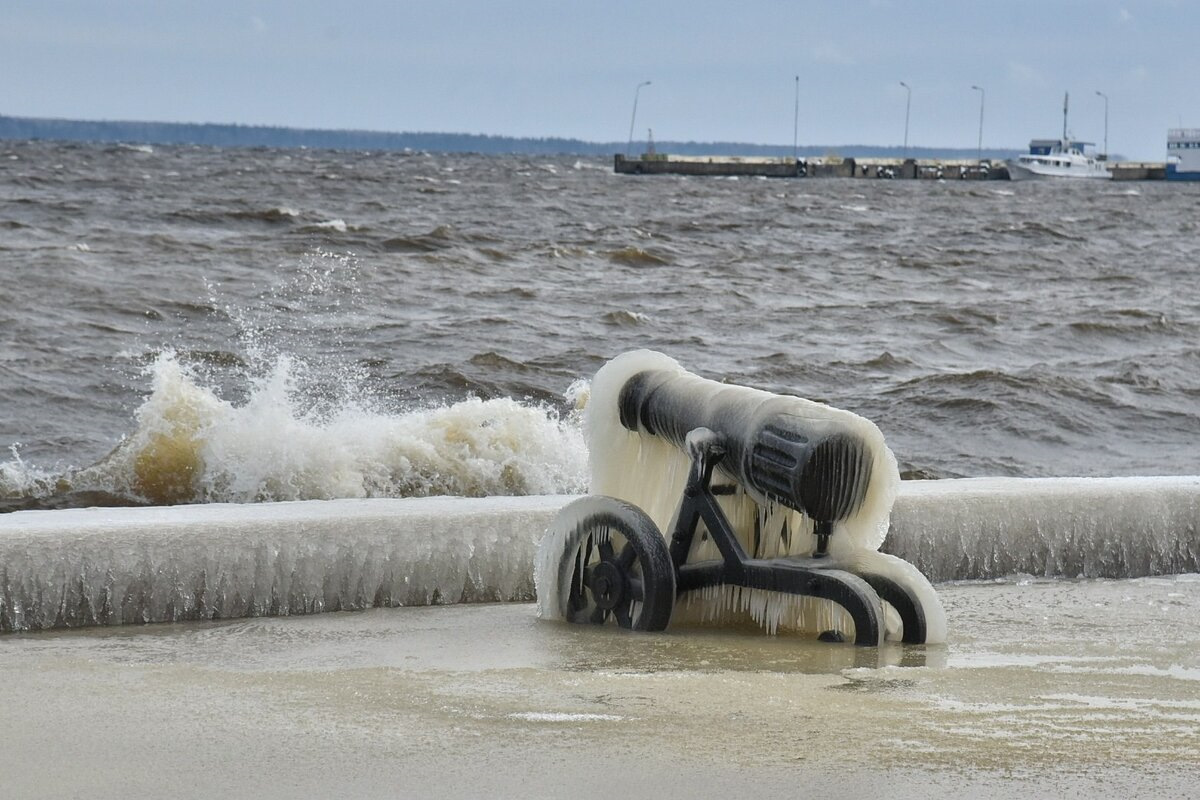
[(191, 446)]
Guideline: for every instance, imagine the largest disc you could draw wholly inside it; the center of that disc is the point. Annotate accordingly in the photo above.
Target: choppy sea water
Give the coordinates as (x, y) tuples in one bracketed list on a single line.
[(212, 325)]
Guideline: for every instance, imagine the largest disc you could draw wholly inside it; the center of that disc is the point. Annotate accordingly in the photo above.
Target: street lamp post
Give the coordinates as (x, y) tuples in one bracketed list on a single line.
[(796, 121), (1102, 94), (633, 116), (907, 107), (979, 144)]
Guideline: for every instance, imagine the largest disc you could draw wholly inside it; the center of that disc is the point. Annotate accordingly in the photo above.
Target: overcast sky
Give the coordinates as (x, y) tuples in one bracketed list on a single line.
[(719, 70)]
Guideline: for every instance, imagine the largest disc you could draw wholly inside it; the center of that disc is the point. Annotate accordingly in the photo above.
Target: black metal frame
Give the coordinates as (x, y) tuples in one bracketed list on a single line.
[(813, 576)]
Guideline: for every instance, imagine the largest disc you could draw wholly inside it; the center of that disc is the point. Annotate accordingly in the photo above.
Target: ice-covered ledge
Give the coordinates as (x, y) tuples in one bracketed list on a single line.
[(111, 566), (103, 566), (1091, 527)]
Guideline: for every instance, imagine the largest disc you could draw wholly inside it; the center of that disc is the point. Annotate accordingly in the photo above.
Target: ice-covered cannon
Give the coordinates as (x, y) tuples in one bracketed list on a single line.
[(774, 506)]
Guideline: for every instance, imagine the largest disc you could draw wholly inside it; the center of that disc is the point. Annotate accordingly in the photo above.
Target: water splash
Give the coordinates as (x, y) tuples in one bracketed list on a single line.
[(191, 446), (263, 424)]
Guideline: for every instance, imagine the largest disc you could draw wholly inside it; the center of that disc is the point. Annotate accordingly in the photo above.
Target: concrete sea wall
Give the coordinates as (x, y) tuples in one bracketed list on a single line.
[(112, 566)]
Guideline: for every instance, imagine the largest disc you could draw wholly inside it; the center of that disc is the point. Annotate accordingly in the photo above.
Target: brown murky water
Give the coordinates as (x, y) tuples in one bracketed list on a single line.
[(1046, 688)]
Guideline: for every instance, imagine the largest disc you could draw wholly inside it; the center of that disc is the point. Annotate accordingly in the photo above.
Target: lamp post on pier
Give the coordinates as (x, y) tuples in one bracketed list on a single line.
[(979, 144), (907, 107), (796, 121), (633, 116), (1102, 94)]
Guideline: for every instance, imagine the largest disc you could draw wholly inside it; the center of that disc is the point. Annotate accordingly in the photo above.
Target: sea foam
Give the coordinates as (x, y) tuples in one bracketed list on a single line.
[(189, 445)]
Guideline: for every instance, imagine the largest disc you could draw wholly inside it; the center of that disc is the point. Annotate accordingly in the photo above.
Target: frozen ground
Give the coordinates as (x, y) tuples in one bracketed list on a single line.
[(1047, 688)]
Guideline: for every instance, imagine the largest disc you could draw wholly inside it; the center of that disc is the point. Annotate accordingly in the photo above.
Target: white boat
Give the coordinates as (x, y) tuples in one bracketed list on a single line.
[(1058, 158), (1063, 159)]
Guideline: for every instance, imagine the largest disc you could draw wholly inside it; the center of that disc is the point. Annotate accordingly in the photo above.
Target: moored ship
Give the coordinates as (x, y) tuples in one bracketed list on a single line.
[(1058, 158)]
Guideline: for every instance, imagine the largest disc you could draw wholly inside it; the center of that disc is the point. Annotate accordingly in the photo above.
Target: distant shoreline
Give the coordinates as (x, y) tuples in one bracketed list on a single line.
[(228, 135)]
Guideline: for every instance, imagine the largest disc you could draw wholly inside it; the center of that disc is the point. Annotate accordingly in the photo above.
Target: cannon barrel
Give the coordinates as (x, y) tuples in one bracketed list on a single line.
[(774, 446)]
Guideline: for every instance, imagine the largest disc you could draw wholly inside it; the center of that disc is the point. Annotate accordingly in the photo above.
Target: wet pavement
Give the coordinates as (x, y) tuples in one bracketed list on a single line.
[(1046, 687)]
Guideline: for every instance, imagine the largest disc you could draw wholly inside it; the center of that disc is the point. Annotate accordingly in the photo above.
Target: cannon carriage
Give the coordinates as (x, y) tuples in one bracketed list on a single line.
[(773, 507)]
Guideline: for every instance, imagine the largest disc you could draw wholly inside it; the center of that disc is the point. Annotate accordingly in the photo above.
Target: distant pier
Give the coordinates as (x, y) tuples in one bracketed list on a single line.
[(661, 164), (825, 167), (1139, 171), (834, 167)]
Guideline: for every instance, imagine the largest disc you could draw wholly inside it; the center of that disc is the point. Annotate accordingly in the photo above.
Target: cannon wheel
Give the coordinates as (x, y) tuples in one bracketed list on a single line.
[(615, 565)]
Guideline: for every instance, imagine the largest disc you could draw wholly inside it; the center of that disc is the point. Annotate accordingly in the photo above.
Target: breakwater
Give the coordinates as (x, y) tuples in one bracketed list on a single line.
[(826, 167), (835, 167)]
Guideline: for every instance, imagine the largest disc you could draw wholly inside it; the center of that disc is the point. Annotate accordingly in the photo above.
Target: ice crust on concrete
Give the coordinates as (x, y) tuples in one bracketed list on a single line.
[(974, 528), (105, 566), (132, 565)]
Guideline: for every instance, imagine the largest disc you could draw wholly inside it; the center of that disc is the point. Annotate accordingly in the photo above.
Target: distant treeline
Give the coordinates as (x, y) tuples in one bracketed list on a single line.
[(218, 135)]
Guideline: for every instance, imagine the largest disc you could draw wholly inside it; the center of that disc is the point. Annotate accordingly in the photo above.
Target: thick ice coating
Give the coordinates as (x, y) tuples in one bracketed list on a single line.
[(99, 566), (107, 566), (650, 470), (642, 405)]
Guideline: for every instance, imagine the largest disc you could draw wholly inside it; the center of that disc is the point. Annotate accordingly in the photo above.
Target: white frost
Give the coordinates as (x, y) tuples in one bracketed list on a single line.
[(110, 566), (650, 472), (105, 566)]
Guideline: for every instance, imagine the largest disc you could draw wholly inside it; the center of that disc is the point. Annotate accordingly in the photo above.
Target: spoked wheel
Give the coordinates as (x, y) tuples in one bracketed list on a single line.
[(614, 566)]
